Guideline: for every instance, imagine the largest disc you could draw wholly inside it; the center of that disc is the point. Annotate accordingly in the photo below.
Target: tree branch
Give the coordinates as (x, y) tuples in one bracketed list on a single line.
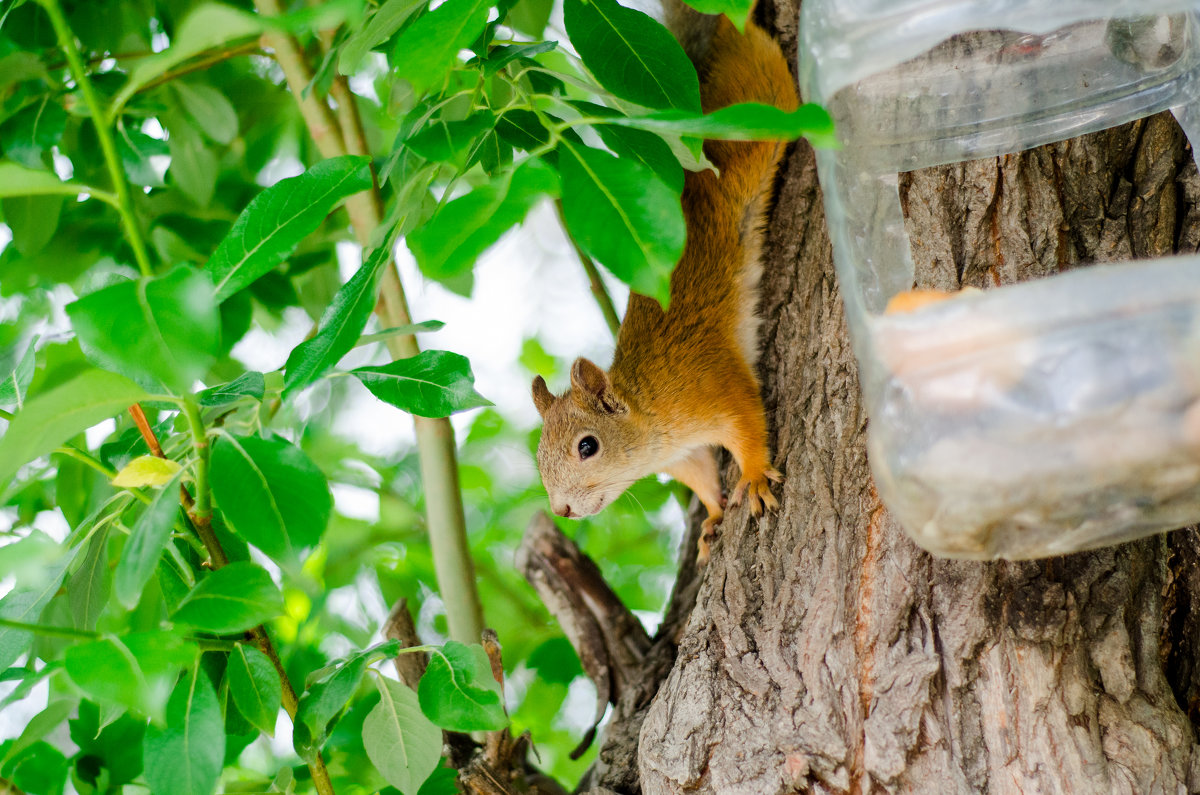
[(199, 511)]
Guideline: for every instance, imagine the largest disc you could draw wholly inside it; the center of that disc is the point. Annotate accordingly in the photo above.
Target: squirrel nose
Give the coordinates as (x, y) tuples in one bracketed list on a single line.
[(563, 510)]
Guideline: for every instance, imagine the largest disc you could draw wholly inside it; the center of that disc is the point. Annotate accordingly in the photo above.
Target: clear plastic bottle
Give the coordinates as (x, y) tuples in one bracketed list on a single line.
[(1081, 391)]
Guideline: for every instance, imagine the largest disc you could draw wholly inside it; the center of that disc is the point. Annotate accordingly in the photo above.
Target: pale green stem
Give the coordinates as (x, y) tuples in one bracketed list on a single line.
[(435, 438), (102, 122)]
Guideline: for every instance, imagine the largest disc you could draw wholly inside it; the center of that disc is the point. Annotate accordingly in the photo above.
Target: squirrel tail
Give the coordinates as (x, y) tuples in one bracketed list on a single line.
[(726, 213), (733, 68)]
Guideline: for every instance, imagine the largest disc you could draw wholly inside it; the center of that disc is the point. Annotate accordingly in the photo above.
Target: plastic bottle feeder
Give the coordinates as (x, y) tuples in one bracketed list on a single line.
[(1038, 418)]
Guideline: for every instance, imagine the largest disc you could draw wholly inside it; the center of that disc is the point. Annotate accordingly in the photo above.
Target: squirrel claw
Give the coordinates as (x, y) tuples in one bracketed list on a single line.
[(759, 490), (708, 533)]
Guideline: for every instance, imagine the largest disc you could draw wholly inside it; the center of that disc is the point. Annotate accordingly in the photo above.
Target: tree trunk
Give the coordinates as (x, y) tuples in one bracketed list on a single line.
[(826, 652)]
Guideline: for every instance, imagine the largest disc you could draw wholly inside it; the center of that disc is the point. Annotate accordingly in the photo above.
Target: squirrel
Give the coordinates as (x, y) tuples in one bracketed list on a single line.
[(683, 381)]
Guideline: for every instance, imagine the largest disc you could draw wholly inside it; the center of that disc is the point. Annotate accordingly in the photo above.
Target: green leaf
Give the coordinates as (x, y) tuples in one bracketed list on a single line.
[(530, 17), (458, 692), (39, 726), (632, 55), (108, 672), (133, 671), (255, 686), (341, 325), (207, 27), (738, 11), (430, 46), (499, 57), (280, 217), (451, 141), (249, 384), (185, 757), (41, 768), (382, 25), (16, 381), (210, 109), (17, 180), (33, 221), (430, 384), (27, 135), (449, 243), (271, 493), (624, 216), (233, 598), (194, 167), (89, 585), (49, 419), (116, 748), (321, 706), (145, 546), (136, 150), (522, 129), (443, 781), (749, 121), (394, 331), (161, 331), (403, 744), (631, 144)]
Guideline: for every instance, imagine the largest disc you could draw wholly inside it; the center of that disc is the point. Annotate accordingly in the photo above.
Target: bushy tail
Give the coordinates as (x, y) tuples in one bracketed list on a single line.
[(725, 214), (734, 68)]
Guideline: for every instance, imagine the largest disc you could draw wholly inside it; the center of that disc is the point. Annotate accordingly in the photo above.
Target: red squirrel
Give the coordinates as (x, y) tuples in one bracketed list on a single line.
[(683, 381)]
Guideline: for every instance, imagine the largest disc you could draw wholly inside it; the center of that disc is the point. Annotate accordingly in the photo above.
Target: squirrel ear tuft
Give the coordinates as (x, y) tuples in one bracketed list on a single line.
[(541, 395), (592, 386)]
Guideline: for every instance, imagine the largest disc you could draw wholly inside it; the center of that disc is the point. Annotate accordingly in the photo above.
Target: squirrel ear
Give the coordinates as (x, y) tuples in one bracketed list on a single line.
[(541, 395), (592, 386)]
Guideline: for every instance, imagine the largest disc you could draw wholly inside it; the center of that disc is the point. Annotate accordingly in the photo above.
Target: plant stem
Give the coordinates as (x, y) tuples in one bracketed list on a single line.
[(435, 438), (202, 510), (66, 40), (6, 415), (201, 516), (143, 426), (599, 291), (201, 64), (48, 631)]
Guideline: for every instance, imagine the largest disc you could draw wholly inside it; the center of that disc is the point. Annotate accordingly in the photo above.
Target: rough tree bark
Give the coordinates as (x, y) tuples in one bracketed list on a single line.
[(826, 652)]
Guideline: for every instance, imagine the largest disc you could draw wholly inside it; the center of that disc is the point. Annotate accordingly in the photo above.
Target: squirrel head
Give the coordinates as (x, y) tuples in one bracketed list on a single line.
[(591, 444)]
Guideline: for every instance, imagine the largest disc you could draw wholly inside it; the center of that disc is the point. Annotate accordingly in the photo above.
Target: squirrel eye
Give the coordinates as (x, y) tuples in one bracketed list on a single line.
[(588, 447)]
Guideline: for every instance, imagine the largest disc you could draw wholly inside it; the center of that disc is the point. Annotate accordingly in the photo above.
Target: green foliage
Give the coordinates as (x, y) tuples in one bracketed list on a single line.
[(271, 493), (159, 331), (430, 384), (631, 55), (186, 755), (255, 687), (458, 692), (155, 249), (272, 225), (402, 743), (233, 598)]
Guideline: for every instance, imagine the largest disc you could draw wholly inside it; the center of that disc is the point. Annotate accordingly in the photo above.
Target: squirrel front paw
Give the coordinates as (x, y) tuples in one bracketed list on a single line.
[(758, 489)]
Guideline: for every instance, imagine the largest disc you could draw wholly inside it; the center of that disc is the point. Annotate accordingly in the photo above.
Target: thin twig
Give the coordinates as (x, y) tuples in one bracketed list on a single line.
[(143, 425), (249, 48), (599, 291)]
